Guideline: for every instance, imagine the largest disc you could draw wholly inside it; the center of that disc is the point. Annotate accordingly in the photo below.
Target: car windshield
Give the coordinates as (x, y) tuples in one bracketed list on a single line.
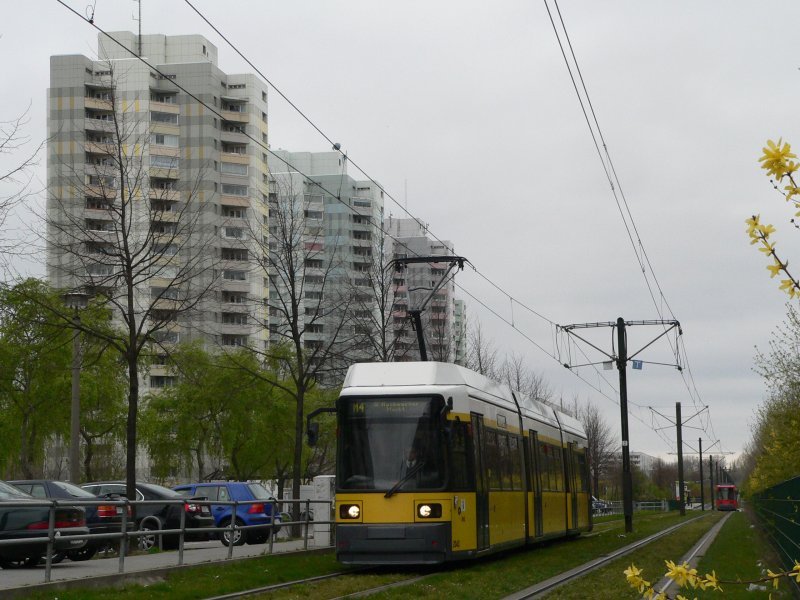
[(9, 492), (73, 490), (259, 491)]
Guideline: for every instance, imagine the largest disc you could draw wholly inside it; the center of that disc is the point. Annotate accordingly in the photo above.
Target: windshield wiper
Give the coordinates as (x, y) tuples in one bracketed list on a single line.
[(411, 472)]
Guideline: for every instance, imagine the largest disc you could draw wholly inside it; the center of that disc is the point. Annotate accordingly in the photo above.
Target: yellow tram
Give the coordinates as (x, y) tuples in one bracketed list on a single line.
[(437, 463)]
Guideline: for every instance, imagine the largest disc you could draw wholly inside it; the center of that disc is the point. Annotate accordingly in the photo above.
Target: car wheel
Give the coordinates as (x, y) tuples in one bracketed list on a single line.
[(148, 540), (85, 553), (17, 563), (225, 536)]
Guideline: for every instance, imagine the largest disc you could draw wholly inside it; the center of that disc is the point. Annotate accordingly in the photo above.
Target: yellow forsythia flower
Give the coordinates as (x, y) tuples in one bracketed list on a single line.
[(775, 269), (712, 581), (795, 572), (633, 575), (776, 158), (775, 578)]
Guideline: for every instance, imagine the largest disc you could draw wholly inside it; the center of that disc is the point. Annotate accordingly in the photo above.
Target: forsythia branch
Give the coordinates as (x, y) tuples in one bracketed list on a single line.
[(685, 576), (777, 162)]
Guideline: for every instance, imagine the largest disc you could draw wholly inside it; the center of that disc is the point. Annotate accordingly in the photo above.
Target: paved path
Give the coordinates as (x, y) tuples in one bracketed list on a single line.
[(153, 564)]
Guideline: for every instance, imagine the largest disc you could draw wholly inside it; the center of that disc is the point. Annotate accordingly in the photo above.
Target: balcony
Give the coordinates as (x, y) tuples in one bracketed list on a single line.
[(167, 107), (164, 173), (235, 158), (101, 148), (98, 103), (235, 116), (167, 195), (233, 134)]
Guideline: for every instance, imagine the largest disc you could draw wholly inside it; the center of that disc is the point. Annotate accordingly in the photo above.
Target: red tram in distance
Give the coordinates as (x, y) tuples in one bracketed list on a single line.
[(727, 497)]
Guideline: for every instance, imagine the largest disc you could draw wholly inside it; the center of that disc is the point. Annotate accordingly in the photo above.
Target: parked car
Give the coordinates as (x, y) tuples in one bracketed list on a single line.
[(154, 517), (257, 513), (598, 506), (103, 518), (20, 519)]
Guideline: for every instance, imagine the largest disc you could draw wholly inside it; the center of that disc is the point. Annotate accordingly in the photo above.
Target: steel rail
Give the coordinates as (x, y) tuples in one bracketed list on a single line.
[(581, 570)]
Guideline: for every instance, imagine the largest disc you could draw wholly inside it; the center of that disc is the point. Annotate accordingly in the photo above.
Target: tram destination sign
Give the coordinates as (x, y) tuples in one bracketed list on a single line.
[(387, 407)]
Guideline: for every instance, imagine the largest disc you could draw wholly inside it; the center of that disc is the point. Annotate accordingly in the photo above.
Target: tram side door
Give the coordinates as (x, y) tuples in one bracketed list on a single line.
[(481, 485), (572, 470)]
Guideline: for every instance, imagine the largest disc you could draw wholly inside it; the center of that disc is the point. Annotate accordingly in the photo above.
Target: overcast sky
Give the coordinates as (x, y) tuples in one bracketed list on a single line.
[(465, 112)]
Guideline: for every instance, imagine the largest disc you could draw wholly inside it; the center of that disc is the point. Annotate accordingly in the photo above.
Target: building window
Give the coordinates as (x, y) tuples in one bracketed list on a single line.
[(163, 162), (161, 117), (235, 233), (234, 212), (164, 139), (234, 275), (161, 381), (233, 169), (234, 254), (234, 340), (234, 297), (234, 319), (230, 189)]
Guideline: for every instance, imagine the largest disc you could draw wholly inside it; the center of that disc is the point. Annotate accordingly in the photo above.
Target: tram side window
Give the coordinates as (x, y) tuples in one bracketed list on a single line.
[(460, 458), (516, 462), (545, 465), (558, 468), (505, 461), (493, 468), (583, 471), (552, 467)]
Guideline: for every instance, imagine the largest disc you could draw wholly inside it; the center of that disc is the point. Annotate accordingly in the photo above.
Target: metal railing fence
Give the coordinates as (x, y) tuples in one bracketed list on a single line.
[(126, 534), (778, 510)]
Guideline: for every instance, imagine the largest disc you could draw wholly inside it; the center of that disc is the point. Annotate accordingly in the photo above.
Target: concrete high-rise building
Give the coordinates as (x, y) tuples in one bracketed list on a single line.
[(186, 155), (408, 238), (333, 221)]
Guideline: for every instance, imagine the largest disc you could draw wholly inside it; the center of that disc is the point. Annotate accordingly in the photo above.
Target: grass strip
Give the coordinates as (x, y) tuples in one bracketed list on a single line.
[(501, 575), (741, 553), (206, 581), (493, 577)]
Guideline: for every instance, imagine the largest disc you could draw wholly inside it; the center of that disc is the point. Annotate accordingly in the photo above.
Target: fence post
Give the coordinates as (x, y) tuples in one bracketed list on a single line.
[(51, 526), (305, 536), (181, 534), (123, 540), (272, 533), (232, 529)]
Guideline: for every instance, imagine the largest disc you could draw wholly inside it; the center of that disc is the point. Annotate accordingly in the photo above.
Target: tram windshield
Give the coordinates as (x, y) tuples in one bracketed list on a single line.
[(726, 493), (391, 443)]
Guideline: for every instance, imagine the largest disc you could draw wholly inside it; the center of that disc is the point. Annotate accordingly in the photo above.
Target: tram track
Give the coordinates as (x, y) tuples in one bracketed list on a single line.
[(550, 584)]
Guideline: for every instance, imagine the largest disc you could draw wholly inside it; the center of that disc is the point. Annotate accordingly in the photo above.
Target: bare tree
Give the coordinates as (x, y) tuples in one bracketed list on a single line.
[(602, 447), (128, 234), (482, 353), (519, 377), (310, 307), (15, 179), (379, 312)]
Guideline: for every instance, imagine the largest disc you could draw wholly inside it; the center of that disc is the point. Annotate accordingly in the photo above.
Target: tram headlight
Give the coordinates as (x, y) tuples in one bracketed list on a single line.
[(429, 510), (349, 511)]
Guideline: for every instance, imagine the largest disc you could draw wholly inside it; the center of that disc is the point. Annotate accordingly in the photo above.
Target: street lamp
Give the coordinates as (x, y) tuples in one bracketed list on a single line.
[(76, 301)]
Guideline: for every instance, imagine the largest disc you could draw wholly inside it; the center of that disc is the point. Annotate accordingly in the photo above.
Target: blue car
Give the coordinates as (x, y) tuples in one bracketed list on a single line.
[(258, 511)]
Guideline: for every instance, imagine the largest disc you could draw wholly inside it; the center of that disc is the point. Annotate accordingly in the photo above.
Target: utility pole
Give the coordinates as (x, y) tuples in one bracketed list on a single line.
[(711, 479), (681, 504), (702, 495), (621, 360), (627, 478)]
